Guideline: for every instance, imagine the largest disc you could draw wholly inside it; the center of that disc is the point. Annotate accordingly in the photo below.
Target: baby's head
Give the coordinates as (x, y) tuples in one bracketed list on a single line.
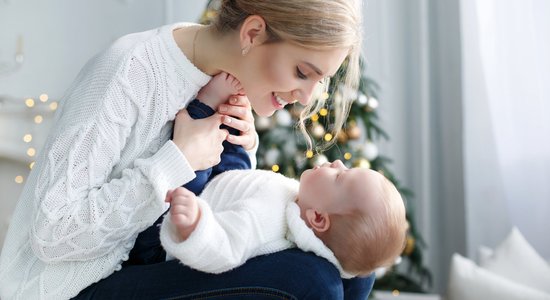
[(357, 213)]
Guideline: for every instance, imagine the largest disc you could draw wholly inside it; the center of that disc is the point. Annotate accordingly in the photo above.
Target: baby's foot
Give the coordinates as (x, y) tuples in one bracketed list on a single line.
[(219, 89)]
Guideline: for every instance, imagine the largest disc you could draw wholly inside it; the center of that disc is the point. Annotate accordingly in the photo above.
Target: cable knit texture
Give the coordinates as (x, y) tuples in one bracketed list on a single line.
[(105, 168), (244, 213)]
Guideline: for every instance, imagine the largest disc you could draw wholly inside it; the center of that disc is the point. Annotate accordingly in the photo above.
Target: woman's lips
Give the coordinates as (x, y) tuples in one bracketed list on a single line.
[(277, 104)]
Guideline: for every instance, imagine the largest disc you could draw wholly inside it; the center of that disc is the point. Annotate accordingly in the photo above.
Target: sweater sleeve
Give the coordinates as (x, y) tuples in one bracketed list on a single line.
[(220, 242), (81, 210)]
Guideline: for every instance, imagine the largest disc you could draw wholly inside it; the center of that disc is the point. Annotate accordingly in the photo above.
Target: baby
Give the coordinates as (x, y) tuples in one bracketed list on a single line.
[(355, 218)]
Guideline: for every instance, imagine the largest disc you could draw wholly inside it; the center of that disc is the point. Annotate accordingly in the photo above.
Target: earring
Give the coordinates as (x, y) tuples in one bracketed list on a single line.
[(245, 50)]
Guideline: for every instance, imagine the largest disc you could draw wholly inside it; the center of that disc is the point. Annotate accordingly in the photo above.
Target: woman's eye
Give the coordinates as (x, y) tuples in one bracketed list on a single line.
[(300, 74)]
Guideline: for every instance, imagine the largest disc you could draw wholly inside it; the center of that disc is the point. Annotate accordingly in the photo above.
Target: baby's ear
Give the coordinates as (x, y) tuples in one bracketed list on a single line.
[(318, 221)]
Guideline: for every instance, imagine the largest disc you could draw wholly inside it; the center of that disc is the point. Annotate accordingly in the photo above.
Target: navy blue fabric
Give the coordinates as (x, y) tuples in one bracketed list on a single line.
[(288, 274), (358, 288)]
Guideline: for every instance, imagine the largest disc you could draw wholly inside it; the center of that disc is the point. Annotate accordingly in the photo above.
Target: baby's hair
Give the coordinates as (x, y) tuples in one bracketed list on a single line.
[(364, 241), (313, 24)]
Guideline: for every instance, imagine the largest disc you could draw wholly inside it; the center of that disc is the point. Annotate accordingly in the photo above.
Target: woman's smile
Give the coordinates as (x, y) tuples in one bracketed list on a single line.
[(278, 102)]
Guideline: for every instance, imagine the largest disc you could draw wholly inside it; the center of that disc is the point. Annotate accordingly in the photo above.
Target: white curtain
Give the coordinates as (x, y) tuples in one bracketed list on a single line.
[(506, 111)]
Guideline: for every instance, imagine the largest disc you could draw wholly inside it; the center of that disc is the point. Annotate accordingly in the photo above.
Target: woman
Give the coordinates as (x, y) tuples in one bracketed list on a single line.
[(108, 162)]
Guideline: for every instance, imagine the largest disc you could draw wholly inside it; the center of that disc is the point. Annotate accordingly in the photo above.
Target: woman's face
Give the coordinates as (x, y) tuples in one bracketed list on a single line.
[(274, 75)]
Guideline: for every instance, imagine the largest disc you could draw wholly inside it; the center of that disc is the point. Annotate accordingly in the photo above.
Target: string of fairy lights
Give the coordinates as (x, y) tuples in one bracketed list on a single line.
[(39, 110)]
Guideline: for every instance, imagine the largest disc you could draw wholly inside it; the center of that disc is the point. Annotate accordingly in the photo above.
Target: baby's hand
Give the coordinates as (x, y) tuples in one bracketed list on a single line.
[(184, 211)]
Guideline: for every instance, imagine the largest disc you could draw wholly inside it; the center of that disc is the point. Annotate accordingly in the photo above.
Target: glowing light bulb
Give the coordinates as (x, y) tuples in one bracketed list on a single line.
[(315, 118), (27, 138), (31, 152), (29, 102)]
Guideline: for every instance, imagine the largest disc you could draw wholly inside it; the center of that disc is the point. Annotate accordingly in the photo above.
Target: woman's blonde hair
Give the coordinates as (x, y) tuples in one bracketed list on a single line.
[(313, 24)]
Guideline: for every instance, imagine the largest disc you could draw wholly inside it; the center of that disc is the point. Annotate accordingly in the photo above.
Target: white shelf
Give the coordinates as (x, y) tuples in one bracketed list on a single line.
[(385, 295)]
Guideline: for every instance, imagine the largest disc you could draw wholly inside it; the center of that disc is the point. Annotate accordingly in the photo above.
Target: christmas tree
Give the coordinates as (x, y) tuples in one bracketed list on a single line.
[(284, 149)]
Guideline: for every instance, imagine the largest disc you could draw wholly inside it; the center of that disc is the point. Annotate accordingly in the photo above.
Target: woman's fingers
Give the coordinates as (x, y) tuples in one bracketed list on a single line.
[(199, 140), (247, 141), (247, 136), (238, 115), (236, 111), (240, 100), (237, 106), (240, 125)]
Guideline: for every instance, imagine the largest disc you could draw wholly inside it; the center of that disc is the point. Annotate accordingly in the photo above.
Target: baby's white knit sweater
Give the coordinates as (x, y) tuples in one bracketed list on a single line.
[(104, 171), (244, 213)]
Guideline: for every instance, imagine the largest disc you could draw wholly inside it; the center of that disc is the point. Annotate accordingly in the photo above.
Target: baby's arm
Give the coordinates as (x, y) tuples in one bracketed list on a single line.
[(209, 241)]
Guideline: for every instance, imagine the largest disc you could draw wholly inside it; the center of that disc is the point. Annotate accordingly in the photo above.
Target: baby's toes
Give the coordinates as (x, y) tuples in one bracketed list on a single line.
[(236, 84)]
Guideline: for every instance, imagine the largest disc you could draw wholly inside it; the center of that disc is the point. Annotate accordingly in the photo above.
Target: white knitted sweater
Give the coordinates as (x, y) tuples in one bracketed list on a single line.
[(244, 213), (104, 171)]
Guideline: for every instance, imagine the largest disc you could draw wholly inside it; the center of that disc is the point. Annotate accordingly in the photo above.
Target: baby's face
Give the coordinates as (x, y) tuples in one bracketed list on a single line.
[(334, 188)]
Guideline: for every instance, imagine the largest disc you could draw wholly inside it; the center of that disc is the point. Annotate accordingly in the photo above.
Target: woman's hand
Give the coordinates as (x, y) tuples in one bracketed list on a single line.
[(199, 140), (238, 115)]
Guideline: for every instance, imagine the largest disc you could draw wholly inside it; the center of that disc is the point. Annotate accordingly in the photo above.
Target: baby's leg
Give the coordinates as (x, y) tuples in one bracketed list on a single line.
[(218, 90)]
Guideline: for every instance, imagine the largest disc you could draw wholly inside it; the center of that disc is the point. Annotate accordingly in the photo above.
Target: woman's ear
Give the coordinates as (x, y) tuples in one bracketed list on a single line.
[(252, 33), (318, 221)]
